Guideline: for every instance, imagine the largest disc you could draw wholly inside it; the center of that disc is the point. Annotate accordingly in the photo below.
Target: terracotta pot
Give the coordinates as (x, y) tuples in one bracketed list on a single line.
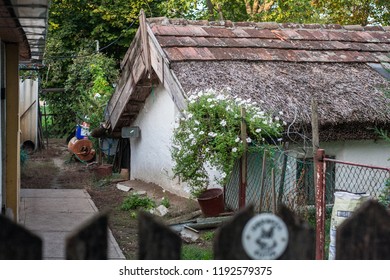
[(211, 202)]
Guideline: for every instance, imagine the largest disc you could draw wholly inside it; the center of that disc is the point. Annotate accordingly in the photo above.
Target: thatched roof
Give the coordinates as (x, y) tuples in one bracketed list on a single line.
[(346, 93), (284, 65)]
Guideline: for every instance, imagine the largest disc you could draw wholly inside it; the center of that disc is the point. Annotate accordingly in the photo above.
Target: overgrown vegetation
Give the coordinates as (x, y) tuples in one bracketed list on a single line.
[(208, 137)]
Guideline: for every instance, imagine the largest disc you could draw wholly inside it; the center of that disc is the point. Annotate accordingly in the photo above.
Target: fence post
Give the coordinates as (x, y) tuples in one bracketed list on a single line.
[(243, 167), (320, 203)]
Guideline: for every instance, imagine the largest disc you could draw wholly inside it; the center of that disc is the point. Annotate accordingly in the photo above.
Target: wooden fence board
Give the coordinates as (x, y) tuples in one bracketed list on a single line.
[(301, 244), (365, 235), (90, 241), (157, 241), (228, 245), (17, 243)]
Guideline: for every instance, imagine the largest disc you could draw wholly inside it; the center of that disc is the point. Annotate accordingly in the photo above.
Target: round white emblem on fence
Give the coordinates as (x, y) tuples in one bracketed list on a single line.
[(265, 237)]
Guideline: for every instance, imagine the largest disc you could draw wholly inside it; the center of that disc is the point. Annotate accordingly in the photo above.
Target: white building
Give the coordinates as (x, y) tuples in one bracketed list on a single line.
[(282, 66)]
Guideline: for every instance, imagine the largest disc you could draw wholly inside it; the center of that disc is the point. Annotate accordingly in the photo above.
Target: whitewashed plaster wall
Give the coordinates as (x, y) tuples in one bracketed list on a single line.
[(150, 154), (367, 152), (360, 151)]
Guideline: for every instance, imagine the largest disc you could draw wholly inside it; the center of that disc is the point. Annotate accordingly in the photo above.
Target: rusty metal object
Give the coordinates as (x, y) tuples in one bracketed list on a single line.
[(82, 149)]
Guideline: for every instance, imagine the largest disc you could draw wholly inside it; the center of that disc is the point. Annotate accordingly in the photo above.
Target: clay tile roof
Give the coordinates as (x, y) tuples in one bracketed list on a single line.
[(186, 40)]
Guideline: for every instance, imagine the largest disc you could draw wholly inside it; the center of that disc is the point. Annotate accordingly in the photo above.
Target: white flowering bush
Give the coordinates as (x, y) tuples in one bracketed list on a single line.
[(209, 135)]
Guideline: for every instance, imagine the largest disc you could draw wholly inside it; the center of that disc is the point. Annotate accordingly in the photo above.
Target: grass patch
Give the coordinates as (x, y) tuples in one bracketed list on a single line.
[(35, 174), (208, 235), (193, 252)]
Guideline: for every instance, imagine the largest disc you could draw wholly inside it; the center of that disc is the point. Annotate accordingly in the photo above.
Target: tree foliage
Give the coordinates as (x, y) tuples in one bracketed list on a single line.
[(86, 41), (361, 12)]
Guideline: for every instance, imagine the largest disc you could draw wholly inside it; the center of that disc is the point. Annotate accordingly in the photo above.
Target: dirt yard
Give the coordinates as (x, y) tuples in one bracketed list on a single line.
[(55, 168)]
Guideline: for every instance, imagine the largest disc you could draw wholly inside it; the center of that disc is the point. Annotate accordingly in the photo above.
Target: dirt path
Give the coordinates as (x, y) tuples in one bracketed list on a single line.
[(54, 168)]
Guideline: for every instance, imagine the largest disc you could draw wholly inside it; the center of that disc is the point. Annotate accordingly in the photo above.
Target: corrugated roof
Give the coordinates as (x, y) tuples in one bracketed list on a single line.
[(25, 22)]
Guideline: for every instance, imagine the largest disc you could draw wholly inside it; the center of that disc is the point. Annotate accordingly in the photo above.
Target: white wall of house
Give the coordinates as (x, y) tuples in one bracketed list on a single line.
[(150, 154), (360, 151), (367, 152)]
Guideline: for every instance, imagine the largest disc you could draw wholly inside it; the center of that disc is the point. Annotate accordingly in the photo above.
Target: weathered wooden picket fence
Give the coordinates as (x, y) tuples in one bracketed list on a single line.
[(365, 235)]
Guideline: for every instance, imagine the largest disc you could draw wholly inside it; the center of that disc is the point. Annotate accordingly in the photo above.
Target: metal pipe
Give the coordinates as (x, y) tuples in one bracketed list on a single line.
[(320, 204), (356, 164)]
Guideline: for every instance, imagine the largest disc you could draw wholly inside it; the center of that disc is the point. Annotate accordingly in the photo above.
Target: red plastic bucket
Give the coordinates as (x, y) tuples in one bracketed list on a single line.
[(211, 202)]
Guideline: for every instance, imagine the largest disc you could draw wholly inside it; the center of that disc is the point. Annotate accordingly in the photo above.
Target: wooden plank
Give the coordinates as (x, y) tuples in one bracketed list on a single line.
[(125, 76), (301, 240), (227, 244), (145, 42), (17, 243), (157, 61), (130, 49), (139, 71), (90, 242), (158, 57), (157, 241), (365, 235), (127, 66)]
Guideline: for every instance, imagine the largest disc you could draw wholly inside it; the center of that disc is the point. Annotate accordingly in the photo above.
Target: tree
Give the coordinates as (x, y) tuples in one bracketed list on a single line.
[(298, 11), (80, 32), (361, 12)]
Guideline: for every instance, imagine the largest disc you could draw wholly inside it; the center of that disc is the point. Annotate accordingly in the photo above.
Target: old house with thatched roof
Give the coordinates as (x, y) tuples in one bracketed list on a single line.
[(284, 65)]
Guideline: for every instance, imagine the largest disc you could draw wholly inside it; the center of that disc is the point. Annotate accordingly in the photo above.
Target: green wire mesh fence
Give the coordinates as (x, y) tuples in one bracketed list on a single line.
[(275, 177)]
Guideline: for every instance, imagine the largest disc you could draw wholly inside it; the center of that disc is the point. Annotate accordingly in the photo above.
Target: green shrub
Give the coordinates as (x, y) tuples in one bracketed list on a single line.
[(137, 202), (165, 202)]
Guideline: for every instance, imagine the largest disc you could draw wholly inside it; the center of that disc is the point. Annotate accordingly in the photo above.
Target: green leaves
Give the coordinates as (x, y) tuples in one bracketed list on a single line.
[(208, 137)]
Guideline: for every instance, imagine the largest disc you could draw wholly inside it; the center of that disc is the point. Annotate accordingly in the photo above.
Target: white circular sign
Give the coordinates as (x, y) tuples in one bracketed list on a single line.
[(265, 237)]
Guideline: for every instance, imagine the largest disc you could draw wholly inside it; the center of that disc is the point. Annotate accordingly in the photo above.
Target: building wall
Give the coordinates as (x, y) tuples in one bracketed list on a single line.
[(150, 153), (29, 110), (12, 135), (298, 182), (365, 151)]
